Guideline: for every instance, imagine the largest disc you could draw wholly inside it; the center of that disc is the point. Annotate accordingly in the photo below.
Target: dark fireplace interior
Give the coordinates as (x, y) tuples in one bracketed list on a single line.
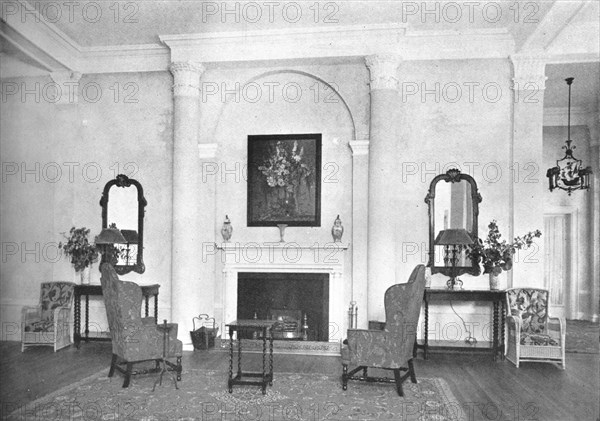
[(262, 294)]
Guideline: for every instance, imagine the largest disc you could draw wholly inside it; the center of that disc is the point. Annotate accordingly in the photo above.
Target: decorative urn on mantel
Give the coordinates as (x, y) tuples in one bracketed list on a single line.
[(337, 230), (226, 229)]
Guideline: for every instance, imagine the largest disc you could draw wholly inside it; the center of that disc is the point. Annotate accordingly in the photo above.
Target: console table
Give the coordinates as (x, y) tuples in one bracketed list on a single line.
[(265, 328), (88, 290), (496, 297)]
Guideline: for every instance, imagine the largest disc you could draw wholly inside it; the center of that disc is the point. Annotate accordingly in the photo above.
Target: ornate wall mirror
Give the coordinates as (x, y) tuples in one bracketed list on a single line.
[(453, 201), (123, 205)]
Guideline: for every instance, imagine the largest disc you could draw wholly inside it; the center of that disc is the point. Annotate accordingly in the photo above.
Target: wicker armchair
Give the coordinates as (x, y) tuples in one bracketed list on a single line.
[(134, 339), (391, 348), (49, 323), (532, 334)]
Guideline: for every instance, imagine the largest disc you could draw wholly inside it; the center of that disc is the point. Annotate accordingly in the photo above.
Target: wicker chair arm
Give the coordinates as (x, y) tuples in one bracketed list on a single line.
[(557, 324), (61, 314), (30, 313), (514, 323)]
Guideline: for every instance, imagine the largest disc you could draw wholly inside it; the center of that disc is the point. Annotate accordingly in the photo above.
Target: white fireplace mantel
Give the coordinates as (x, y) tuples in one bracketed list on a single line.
[(285, 257)]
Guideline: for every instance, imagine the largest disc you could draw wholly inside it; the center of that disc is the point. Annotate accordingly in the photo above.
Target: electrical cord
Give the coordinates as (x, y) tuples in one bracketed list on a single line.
[(469, 339)]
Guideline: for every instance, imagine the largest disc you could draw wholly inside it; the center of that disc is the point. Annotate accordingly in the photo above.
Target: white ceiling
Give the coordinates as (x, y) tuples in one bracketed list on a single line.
[(567, 32)]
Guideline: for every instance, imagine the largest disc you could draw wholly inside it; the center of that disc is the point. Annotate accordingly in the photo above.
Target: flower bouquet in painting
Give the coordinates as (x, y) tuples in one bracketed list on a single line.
[(283, 181)]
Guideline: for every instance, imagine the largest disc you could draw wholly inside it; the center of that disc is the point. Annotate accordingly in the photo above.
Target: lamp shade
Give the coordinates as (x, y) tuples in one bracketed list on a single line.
[(450, 237), (110, 236), (131, 236)]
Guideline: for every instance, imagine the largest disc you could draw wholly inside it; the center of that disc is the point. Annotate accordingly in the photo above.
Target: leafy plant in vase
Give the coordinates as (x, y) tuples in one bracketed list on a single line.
[(81, 252), (496, 254)]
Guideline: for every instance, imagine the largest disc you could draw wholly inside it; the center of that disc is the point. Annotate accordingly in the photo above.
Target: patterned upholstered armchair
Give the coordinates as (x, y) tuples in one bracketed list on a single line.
[(532, 334), (49, 323), (391, 348), (134, 339)]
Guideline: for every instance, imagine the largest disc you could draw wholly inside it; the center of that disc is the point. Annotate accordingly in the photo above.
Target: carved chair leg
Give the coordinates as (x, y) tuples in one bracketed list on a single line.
[(398, 382), (344, 376), (365, 371), (179, 368), (113, 364), (411, 370), (128, 374)]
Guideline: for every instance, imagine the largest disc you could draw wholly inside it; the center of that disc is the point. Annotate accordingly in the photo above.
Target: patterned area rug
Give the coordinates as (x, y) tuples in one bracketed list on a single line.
[(202, 395), (582, 337)]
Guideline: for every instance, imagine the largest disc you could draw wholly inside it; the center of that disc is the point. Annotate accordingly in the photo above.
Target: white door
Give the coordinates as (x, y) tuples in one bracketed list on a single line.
[(557, 264)]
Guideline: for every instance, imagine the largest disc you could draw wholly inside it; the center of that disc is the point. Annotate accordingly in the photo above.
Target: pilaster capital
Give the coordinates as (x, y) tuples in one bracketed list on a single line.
[(359, 147), (384, 70), (67, 90), (529, 72), (186, 78)]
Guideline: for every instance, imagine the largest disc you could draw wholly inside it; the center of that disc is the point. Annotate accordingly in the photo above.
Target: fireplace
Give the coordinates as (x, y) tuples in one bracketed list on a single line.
[(296, 296), (313, 270)]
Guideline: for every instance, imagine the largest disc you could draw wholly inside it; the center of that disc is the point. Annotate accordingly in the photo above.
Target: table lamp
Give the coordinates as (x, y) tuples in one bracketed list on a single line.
[(106, 239), (454, 241)]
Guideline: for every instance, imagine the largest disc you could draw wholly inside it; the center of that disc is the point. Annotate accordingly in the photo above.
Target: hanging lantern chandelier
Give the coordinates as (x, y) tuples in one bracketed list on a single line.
[(569, 174)]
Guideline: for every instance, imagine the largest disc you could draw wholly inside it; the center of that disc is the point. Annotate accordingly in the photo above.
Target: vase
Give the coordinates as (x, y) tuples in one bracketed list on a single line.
[(494, 282), (227, 229), (84, 276), (337, 230), (282, 228)]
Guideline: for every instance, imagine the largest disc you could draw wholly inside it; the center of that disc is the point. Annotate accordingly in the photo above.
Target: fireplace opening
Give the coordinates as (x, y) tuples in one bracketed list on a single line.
[(286, 297)]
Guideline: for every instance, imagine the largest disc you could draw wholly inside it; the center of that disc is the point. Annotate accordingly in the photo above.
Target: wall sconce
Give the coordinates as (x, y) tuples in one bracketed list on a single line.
[(569, 175), (454, 242)]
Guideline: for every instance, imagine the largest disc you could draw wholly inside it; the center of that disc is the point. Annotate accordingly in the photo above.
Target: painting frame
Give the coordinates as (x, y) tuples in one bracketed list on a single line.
[(284, 180)]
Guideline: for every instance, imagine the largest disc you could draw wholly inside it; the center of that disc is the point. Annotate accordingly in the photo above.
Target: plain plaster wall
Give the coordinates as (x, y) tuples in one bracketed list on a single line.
[(121, 124), (459, 116)]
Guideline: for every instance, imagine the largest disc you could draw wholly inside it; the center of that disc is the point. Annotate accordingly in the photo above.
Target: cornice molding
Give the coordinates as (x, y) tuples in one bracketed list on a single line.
[(55, 51), (39, 39)]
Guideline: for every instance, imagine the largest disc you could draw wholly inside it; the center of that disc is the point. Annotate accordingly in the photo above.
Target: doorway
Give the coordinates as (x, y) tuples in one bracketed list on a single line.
[(560, 263)]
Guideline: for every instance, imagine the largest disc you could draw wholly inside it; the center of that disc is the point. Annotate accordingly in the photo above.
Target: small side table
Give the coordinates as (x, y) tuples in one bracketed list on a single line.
[(165, 327), (266, 377), (88, 290)]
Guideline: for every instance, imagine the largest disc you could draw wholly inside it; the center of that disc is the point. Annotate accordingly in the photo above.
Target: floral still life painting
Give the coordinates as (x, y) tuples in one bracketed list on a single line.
[(284, 174)]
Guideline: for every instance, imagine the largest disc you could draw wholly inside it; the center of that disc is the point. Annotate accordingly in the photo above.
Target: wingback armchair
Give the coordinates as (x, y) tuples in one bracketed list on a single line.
[(49, 323), (135, 339), (532, 334), (392, 347)]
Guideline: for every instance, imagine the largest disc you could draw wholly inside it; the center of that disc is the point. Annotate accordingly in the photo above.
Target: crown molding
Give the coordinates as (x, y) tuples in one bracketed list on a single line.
[(43, 40), (573, 58), (125, 59), (342, 41)]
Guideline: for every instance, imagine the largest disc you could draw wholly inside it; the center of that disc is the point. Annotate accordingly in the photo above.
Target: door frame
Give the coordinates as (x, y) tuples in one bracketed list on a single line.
[(571, 290)]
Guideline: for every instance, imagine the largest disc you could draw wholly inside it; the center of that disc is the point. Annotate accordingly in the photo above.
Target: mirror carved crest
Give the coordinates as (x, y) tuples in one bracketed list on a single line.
[(453, 203), (123, 205)]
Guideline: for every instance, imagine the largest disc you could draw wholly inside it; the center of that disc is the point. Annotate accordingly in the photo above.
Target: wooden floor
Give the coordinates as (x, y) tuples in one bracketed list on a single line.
[(484, 389)]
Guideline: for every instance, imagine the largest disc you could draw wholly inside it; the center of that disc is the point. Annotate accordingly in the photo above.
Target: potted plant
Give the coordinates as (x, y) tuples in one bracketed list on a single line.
[(80, 251), (496, 254)]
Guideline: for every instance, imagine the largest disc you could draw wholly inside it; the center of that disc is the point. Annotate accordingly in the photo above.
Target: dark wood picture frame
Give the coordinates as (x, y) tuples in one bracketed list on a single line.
[(284, 180)]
